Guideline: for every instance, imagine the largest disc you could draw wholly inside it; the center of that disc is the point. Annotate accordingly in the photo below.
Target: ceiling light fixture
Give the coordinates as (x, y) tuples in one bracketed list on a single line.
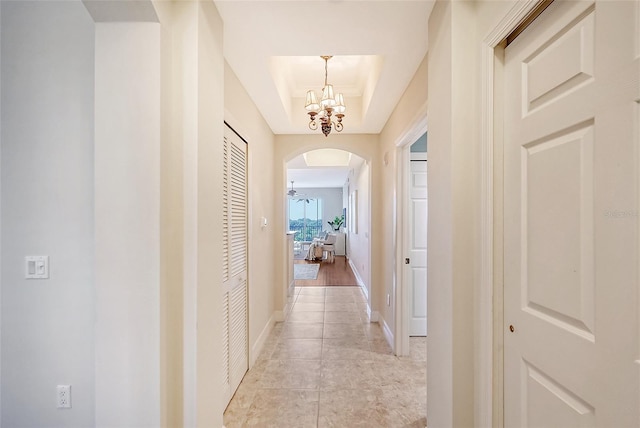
[(327, 106)]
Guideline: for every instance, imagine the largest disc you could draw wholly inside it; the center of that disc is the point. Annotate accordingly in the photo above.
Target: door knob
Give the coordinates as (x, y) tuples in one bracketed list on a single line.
[(512, 328)]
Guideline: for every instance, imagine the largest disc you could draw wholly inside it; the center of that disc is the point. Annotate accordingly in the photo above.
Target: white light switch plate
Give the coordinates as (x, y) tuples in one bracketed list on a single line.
[(36, 267)]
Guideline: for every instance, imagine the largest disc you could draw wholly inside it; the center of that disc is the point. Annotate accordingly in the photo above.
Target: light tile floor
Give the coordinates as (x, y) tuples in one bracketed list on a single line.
[(328, 366)]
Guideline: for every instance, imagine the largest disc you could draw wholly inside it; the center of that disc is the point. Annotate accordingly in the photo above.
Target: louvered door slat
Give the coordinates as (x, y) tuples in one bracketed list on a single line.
[(225, 338), (234, 278), (225, 211), (237, 342)]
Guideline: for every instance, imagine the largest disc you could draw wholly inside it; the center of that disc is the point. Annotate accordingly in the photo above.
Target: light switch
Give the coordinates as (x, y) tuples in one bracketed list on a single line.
[(37, 267)]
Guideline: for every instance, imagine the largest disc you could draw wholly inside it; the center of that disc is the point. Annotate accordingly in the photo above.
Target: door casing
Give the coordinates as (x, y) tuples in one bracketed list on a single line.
[(402, 298), (489, 370)]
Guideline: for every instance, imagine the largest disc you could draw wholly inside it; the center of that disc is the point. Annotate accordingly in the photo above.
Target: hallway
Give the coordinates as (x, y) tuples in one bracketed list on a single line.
[(327, 366)]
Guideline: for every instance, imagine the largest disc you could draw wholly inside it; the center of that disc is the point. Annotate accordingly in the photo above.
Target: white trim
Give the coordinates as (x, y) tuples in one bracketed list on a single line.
[(418, 156), (404, 174), (484, 337), (262, 339), (388, 334), (359, 280), (484, 367), (416, 128), (374, 316)]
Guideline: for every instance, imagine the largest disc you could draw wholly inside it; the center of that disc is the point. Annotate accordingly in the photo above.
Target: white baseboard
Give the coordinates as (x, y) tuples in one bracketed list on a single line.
[(388, 334), (278, 316), (262, 338), (358, 279), (373, 315)]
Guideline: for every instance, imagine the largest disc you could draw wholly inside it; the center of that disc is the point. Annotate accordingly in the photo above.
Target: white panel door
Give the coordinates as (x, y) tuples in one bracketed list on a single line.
[(571, 260), (234, 276), (418, 248)]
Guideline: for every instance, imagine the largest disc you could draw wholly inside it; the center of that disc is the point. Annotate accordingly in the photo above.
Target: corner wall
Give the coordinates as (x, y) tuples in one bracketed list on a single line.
[(127, 227), (198, 67)]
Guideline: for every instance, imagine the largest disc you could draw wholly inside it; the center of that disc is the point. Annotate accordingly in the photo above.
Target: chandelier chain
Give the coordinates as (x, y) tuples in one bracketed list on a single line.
[(326, 67)]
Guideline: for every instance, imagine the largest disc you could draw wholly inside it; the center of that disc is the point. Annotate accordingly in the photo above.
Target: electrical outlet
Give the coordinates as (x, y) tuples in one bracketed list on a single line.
[(63, 394)]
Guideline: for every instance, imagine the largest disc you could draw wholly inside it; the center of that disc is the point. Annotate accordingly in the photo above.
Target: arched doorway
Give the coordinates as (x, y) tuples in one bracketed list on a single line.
[(328, 193), (357, 245)]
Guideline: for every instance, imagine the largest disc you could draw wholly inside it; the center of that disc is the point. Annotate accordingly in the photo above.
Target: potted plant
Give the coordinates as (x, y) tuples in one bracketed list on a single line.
[(336, 223)]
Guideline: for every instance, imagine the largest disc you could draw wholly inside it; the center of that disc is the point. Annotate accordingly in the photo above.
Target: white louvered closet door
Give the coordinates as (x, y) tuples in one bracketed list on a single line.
[(234, 276)]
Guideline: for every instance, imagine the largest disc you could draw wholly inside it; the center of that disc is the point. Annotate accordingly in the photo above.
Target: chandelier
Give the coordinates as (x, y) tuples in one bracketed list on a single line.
[(328, 105)]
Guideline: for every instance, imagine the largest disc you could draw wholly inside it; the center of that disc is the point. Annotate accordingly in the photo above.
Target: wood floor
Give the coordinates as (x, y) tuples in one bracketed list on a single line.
[(337, 273)]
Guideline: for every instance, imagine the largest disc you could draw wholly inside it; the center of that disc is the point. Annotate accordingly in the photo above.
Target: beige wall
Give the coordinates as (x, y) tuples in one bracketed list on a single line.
[(242, 114), (358, 241)]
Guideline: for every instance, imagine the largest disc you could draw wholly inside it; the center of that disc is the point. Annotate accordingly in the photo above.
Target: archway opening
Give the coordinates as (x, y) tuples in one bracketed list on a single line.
[(327, 196)]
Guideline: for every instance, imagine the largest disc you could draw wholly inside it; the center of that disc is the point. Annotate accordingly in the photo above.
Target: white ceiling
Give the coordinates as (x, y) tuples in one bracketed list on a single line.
[(274, 48)]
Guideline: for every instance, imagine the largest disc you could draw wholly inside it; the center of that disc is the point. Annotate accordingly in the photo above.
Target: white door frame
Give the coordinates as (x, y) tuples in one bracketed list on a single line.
[(416, 128), (489, 370), (407, 235)]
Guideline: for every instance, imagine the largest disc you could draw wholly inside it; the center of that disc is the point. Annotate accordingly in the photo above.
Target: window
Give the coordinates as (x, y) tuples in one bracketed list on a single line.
[(305, 218)]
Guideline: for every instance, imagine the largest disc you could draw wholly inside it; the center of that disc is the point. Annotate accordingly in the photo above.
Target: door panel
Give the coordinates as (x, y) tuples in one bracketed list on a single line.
[(570, 268), (557, 198), (418, 248), (562, 408)]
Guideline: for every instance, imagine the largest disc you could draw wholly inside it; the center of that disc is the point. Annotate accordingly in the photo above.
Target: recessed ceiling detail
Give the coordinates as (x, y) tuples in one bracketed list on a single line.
[(353, 76), (377, 48)]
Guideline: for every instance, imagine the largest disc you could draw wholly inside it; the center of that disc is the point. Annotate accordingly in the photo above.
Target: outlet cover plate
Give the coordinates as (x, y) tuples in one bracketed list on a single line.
[(63, 396)]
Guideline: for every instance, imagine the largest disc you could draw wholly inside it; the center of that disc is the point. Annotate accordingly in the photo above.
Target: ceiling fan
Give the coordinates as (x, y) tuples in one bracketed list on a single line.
[(292, 192)]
